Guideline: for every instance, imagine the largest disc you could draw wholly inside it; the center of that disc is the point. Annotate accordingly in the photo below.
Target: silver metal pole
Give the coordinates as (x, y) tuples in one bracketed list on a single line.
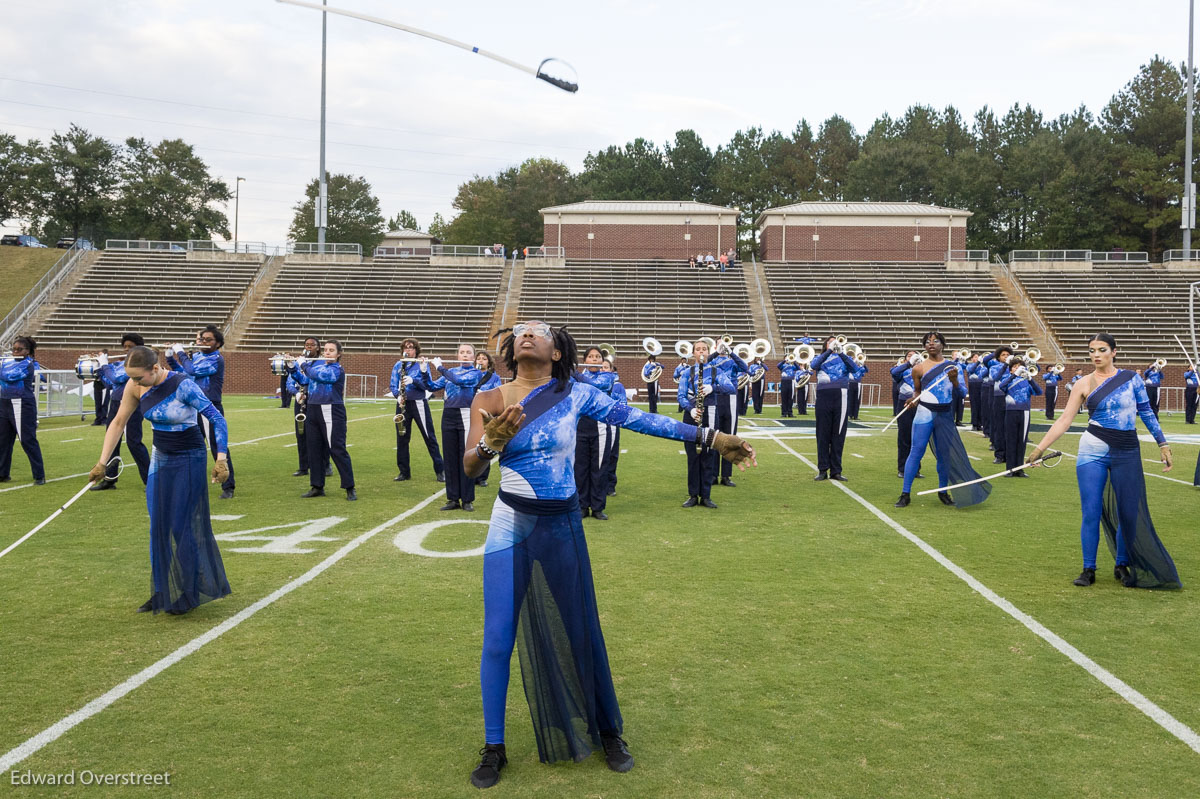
[(1190, 212), (237, 201), (322, 191)]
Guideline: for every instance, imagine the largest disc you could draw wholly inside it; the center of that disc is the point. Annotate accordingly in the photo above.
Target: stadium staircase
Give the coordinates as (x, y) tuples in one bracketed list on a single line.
[(160, 294), (886, 308), (621, 302), (374, 306)]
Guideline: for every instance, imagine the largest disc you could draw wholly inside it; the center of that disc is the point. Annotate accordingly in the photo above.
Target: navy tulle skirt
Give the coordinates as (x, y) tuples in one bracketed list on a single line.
[(185, 564)]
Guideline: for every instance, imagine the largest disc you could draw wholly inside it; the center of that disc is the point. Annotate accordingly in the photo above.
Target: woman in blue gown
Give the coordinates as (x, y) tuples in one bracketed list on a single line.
[(1112, 485), (185, 564), (537, 578)]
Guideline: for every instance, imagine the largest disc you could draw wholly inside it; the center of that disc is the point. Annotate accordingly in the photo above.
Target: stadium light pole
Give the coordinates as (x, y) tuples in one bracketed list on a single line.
[(322, 190), (1189, 211), (237, 204)]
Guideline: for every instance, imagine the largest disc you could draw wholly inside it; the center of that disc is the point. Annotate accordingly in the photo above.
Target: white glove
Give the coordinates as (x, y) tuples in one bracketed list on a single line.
[(300, 361), (177, 350), (705, 390), (390, 394), (406, 381), (437, 363), (697, 415), (722, 348), (102, 359), (914, 360), (424, 365)]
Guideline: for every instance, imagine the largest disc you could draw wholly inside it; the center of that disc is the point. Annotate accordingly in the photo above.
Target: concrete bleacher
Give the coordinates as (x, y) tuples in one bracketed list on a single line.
[(373, 307), (887, 308), (621, 302), (160, 294), (1141, 306)]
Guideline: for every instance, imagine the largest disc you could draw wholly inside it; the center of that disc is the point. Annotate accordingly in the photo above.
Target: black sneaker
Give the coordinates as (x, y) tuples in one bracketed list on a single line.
[(945, 497), (903, 501), (400, 478), (1122, 573), (708, 503), (616, 754), (146, 608), (481, 483), (487, 773), (585, 512), (299, 472), (599, 514), (1086, 577), (468, 506), (313, 492), (227, 494), (351, 496), (820, 476), (104, 485), (839, 477), (450, 505), (440, 477), (691, 502), (40, 482), (725, 481)]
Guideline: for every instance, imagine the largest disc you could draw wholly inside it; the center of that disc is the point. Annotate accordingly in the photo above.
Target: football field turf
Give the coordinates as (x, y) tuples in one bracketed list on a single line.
[(804, 639)]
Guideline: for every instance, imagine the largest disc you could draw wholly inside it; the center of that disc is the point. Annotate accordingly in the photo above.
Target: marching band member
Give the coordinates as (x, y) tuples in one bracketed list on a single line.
[(592, 442), (1153, 378), (1110, 456), (679, 370), (897, 403), (535, 562), (758, 387), (18, 410), (902, 379), (185, 564), (974, 384), (743, 393), (801, 386), (728, 365), (960, 399), (1051, 381), (1018, 388), (1190, 383), (485, 363), (324, 381), (293, 389), (996, 371), (207, 368), (985, 395), (651, 385), (115, 378), (460, 384), (414, 380), (833, 370), (787, 377), (1074, 379), (101, 398), (854, 391), (697, 396), (614, 432), (935, 382)]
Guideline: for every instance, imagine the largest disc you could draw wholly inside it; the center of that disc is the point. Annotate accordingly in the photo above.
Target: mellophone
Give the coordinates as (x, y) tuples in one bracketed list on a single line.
[(87, 366)]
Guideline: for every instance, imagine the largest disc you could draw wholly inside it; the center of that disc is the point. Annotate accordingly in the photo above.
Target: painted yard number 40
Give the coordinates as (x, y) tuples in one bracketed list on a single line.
[(410, 539)]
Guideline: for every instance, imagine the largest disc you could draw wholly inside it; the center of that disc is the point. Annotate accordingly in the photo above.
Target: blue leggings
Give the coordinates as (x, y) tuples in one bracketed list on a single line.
[(922, 431), (499, 637), (1093, 473)]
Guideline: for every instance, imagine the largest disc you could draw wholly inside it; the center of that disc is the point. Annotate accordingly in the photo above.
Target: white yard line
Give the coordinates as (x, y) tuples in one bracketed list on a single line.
[(1161, 717), (64, 725)]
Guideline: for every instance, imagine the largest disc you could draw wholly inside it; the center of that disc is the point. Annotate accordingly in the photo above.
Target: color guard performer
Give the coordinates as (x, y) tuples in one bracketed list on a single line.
[(207, 368), (1190, 384), (324, 382), (411, 376), (18, 409), (460, 383), (115, 378)]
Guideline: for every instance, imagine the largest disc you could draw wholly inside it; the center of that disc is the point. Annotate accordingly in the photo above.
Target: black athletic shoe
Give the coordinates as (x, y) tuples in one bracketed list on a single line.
[(451, 505), (487, 773), (691, 502), (997, 460), (820, 476), (903, 501), (104, 485), (599, 514), (329, 471), (468, 506), (945, 497), (41, 482), (400, 478), (1086, 577), (146, 608), (708, 503), (725, 481), (299, 472), (616, 753), (440, 477), (920, 476), (839, 477), (586, 512), (612, 492), (900, 475), (313, 492), (227, 494), (351, 496), (1126, 577), (481, 483), (6, 479)]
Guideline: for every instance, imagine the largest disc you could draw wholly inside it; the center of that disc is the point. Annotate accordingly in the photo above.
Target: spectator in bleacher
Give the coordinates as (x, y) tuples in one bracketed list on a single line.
[(411, 376), (787, 379), (115, 379), (460, 383), (1019, 390), (487, 251), (731, 257), (485, 363), (691, 262), (1153, 378), (1190, 384), (18, 409), (101, 396), (207, 367), (724, 259), (832, 368), (324, 383), (592, 441), (710, 262)]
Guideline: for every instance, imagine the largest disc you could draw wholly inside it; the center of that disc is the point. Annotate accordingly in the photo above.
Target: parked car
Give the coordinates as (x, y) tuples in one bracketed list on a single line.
[(68, 242), (15, 240)]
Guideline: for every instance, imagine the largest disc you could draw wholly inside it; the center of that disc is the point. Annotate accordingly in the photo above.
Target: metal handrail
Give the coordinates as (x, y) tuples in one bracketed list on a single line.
[(1121, 257), (761, 300), (508, 291), (1050, 255), (968, 255), (403, 252), (542, 251), (467, 250), (1029, 306), (144, 244), (314, 248), (247, 247), (40, 291), (249, 292), (1177, 255)]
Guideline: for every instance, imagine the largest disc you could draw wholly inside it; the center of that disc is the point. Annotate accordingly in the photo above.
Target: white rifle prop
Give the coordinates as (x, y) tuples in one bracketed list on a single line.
[(1054, 455)]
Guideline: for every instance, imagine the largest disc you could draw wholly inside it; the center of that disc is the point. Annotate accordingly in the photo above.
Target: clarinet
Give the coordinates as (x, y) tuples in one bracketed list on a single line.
[(401, 400)]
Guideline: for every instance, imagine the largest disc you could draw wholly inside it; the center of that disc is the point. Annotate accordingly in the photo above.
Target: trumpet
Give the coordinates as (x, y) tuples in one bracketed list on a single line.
[(1033, 355), (652, 346), (963, 355), (1159, 363), (860, 357), (1058, 368), (727, 340)]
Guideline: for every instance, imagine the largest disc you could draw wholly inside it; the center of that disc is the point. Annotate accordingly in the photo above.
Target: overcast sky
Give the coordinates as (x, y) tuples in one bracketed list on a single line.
[(240, 79)]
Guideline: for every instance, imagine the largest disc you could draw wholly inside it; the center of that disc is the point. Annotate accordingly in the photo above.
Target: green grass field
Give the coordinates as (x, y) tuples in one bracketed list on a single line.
[(20, 268), (790, 643)]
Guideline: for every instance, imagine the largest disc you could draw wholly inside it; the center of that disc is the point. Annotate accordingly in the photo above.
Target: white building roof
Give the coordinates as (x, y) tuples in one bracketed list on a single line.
[(405, 233), (862, 209), (638, 206)]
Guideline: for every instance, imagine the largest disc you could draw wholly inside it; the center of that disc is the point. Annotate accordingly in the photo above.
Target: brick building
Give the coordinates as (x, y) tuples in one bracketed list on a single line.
[(643, 230), (861, 232)]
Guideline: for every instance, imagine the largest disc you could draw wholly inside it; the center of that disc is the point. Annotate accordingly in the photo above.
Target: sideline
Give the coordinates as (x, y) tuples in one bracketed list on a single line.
[(1161, 717), (64, 725)]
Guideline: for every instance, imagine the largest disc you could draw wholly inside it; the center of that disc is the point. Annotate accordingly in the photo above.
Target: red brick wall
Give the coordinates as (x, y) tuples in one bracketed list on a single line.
[(641, 241), (860, 243)]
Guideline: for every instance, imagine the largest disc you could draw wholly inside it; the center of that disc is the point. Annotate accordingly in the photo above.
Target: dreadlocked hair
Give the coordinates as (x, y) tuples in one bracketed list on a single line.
[(560, 370)]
